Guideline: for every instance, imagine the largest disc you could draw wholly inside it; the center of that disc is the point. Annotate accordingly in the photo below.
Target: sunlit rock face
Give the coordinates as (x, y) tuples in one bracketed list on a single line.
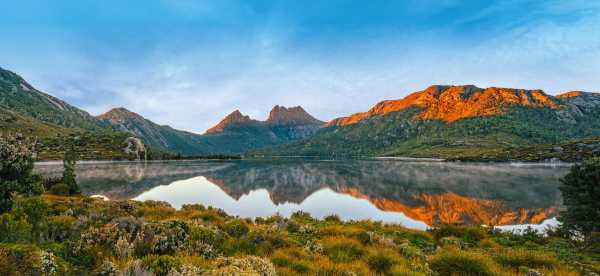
[(278, 117), (234, 118), (452, 103)]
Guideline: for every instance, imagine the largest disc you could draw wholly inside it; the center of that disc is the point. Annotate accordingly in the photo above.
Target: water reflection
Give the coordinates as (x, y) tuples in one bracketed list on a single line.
[(412, 193)]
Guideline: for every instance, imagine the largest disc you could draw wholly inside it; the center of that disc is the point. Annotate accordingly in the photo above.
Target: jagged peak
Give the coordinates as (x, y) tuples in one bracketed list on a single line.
[(235, 117), (292, 115)]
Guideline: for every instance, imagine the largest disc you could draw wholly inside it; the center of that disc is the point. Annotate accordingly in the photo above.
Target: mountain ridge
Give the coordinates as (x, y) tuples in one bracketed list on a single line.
[(454, 102), (454, 122), (278, 116)]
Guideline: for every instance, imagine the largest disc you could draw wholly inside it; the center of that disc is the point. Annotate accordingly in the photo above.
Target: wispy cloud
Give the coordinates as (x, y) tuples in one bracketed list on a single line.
[(189, 63)]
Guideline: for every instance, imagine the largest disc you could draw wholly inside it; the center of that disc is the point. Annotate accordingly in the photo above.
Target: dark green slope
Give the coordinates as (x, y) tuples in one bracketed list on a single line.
[(20, 97), (158, 136), (54, 124)]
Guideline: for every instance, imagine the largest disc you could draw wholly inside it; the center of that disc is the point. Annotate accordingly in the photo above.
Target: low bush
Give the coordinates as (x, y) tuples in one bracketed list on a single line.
[(526, 258), (343, 250), (469, 234), (236, 228), (380, 263), (59, 189), (160, 265), (461, 263)]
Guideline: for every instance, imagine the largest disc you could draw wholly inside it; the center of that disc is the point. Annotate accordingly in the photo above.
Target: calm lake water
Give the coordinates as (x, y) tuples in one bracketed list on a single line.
[(416, 194)]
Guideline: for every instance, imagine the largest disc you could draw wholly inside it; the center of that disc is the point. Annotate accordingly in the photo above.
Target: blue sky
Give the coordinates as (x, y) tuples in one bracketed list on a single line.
[(189, 63)]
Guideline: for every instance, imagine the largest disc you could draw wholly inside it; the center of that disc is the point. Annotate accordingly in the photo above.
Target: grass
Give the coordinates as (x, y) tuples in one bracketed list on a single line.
[(462, 263)]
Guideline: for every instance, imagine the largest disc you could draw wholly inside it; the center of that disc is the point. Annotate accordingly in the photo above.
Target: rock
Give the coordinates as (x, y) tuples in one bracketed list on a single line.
[(135, 146), (558, 149)]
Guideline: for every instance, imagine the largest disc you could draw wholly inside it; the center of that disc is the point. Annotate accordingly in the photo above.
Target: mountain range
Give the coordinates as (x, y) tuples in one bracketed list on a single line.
[(58, 125), (463, 122), (456, 121), (235, 134)]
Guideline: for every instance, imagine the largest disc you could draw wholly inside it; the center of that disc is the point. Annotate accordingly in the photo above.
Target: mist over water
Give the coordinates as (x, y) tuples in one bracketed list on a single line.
[(415, 194)]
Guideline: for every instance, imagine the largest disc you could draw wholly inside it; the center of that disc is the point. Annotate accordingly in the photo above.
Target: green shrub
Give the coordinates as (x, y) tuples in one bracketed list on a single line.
[(59, 189), (380, 263), (461, 263), (16, 170), (236, 228), (301, 216), (580, 193), (526, 258), (469, 234), (333, 219), (161, 264), (60, 227), (292, 226), (365, 237), (343, 251), (14, 229)]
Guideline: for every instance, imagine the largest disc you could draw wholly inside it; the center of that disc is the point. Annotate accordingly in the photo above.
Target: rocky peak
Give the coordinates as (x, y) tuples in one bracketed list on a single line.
[(451, 103), (296, 115), (233, 118), (119, 114)]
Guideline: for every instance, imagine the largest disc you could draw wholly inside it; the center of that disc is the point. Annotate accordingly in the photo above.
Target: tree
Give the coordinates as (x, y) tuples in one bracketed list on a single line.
[(16, 165), (68, 178), (581, 193)]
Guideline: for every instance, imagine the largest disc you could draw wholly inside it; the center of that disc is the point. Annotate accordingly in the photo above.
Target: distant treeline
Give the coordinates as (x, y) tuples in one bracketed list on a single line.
[(154, 154)]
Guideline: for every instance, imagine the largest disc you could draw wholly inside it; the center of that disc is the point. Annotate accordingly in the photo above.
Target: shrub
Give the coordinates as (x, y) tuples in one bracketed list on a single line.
[(60, 189), (461, 263), (301, 216), (365, 237), (333, 219), (59, 228), (16, 166), (236, 228), (343, 250), (14, 229), (380, 263), (68, 177), (470, 235), (526, 258), (161, 264), (580, 192)]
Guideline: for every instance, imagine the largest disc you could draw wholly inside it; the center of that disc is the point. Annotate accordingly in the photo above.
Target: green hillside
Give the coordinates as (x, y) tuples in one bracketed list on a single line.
[(54, 124)]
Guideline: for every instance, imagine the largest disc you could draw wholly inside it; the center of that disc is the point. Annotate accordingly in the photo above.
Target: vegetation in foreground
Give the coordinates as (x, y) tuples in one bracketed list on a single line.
[(81, 235)]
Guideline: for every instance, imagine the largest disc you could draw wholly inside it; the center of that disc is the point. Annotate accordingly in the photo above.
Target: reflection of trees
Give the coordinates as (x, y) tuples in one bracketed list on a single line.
[(129, 179)]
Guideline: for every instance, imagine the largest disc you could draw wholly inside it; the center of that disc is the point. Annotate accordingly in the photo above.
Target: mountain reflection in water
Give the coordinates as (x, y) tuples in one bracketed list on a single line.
[(415, 194)]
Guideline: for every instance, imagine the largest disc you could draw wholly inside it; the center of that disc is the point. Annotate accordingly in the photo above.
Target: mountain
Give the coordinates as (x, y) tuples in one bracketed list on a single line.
[(158, 136), (237, 133), (55, 124), (455, 121), (20, 97), (234, 119)]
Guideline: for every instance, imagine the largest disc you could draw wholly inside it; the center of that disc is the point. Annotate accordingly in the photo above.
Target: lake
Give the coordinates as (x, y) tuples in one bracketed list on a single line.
[(416, 194)]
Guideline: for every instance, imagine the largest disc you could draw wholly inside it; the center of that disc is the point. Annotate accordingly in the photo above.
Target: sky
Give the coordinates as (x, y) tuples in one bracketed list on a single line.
[(189, 63)]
